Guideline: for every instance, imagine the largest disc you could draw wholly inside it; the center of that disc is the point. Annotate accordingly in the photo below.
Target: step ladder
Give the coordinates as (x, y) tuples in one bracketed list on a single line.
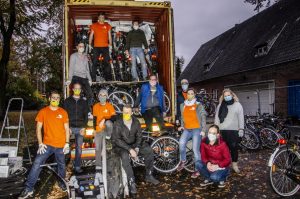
[(10, 128)]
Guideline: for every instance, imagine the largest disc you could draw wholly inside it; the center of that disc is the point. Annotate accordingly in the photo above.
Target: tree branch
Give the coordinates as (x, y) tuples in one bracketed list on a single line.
[(12, 18), (2, 27)]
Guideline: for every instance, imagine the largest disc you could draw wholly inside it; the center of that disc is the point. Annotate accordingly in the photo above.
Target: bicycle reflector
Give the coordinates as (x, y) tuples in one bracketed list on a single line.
[(281, 141), (155, 128), (100, 58), (89, 132)]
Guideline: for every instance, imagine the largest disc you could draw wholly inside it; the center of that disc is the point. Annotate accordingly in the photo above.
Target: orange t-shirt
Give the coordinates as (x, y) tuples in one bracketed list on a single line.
[(100, 34), (53, 124), (103, 112), (184, 95), (190, 117)]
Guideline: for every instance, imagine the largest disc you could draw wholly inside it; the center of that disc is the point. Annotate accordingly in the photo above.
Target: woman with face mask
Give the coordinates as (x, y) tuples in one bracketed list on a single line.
[(214, 166), (193, 124), (230, 118)]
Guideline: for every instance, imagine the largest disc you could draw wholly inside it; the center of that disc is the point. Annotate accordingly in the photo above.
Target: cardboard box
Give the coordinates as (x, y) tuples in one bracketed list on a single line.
[(3, 161), (4, 171), (12, 151)]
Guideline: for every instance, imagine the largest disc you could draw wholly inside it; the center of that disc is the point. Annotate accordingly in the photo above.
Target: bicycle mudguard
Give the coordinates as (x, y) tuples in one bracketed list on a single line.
[(270, 162)]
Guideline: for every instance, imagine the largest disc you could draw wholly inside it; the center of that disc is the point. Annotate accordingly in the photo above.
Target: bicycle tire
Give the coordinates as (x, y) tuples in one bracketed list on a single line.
[(282, 172), (166, 154), (250, 140), (120, 98)]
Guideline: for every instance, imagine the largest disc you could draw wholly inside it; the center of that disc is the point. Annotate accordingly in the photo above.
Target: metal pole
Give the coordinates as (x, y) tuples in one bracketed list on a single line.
[(258, 101)]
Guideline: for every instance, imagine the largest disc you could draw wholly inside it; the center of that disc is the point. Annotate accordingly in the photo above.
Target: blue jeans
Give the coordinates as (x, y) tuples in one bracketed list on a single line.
[(138, 52), (188, 134), (40, 159), (78, 144), (217, 176)]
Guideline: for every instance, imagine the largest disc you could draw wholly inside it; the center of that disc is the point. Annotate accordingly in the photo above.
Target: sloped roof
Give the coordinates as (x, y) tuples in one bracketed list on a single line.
[(234, 50)]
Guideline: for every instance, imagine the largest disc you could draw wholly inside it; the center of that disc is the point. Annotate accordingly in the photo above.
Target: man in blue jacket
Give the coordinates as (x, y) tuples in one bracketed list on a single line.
[(152, 103)]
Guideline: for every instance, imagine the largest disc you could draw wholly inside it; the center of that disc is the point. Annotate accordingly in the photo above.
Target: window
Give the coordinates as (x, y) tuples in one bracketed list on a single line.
[(215, 94)]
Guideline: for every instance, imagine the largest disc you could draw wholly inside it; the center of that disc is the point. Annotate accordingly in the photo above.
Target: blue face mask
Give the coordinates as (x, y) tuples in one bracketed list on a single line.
[(228, 98), (184, 87)]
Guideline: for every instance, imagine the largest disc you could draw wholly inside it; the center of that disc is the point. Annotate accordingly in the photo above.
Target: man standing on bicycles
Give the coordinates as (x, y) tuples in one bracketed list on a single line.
[(127, 141), (152, 103), (104, 113), (101, 32), (77, 109), (79, 71), (135, 40), (55, 122)]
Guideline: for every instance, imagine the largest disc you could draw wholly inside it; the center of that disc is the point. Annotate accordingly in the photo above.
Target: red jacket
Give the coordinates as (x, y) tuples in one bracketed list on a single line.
[(216, 154)]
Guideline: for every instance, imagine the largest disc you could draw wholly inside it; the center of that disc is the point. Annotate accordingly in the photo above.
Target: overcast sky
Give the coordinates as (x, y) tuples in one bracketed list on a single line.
[(198, 21)]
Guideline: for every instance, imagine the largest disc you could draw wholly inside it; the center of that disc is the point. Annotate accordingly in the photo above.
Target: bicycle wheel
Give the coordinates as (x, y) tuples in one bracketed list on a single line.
[(120, 98), (167, 101), (140, 161), (250, 140), (285, 133), (166, 154), (282, 172), (269, 138), (190, 164)]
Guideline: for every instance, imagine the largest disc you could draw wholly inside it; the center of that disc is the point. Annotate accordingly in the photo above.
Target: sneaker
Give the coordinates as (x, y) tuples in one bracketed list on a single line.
[(132, 186), (235, 167), (25, 194), (151, 179), (195, 174), (98, 169), (181, 166), (221, 184), (206, 183)]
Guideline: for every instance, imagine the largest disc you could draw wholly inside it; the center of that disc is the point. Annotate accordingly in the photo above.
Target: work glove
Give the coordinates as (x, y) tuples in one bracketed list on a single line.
[(241, 133), (90, 83), (68, 82), (66, 148), (42, 148)]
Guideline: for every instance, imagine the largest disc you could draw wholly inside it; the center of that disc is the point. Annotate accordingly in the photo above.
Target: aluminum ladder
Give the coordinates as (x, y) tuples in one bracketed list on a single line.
[(11, 128)]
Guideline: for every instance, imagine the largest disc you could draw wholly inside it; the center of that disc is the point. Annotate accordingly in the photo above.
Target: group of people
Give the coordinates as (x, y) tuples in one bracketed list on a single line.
[(214, 153), (100, 43), (214, 149), (124, 131)]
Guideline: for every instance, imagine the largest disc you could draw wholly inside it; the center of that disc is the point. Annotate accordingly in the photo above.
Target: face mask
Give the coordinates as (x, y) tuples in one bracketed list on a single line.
[(77, 92), (102, 100), (212, 137), (54, 103), (152, 83), (126, 117), (228, 98), (135, 27), (184, 87), (190, 97), (80, 50)]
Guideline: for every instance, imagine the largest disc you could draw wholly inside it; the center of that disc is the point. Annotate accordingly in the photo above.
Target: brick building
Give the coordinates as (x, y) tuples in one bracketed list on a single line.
[(259, 59)]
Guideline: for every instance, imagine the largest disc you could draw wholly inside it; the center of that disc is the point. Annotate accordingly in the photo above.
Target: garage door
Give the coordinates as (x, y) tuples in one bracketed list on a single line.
[(251, 96)]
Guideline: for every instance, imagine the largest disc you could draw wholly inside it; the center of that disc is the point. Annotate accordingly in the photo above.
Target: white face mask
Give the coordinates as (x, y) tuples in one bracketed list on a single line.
[(80, 50), (135, 27), (212, 137)]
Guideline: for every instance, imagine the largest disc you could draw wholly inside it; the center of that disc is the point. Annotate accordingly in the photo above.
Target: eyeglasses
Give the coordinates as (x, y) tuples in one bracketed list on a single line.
[(185, 84), (212, 133), (152, 79)]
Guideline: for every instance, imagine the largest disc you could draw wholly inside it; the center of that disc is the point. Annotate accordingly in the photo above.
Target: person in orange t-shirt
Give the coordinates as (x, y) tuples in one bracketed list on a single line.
[(101, 32), (193, 124), (55, 122), (104, 113)]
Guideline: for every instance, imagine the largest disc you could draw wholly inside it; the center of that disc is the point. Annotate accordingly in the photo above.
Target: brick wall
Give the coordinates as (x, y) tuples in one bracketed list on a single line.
[(281, 74)]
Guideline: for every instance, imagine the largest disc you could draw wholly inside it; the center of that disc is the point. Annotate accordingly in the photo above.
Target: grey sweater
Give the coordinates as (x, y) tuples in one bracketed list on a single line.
[(79, 66), (234, 119)]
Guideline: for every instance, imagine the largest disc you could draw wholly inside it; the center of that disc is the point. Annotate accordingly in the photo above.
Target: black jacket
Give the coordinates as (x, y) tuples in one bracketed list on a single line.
[(136, 38), (127, 139), (77, 111), (180, 100)]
